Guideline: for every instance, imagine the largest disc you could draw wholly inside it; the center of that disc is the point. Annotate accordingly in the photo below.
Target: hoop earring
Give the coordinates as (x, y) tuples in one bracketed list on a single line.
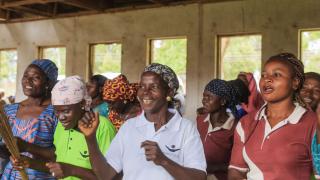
[(168, 98)]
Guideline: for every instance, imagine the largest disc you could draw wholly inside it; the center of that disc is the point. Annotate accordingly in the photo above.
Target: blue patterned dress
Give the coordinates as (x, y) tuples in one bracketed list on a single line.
[(37, 131)]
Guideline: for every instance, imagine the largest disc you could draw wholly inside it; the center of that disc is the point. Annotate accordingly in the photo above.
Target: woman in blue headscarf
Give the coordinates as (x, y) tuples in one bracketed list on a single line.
[(32, 120)]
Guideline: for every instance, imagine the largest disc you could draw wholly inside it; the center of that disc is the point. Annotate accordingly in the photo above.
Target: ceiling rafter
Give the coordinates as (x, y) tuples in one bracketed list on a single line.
[(3, 15), (162, 2), (85, 4), (6, 4), (28, 10), (33, 11)]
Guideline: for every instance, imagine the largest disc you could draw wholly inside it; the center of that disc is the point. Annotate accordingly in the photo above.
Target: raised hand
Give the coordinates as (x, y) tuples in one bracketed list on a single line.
[(89, 123), (154, 153)]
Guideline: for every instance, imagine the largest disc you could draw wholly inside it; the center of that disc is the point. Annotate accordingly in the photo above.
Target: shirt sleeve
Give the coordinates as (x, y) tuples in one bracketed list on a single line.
[(237, 161), (315, 148), (106, 134), (114, 155), (193, 153)]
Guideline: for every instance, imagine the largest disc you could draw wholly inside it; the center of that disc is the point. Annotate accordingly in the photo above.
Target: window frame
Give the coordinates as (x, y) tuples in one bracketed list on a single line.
[(219, 62), (12, 49), (92, 54)]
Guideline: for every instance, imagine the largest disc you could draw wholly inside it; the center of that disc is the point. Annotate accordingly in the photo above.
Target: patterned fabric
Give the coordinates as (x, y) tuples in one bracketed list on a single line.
[(48, 67), (102, 109), (116, 119), (119, 89), (222, 89), (37, 131), (166, 73), (70, 90), (255, 100), (316, 154)]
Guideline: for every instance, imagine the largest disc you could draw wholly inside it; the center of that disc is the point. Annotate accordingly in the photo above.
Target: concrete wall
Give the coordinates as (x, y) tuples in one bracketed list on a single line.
[(278, 21)]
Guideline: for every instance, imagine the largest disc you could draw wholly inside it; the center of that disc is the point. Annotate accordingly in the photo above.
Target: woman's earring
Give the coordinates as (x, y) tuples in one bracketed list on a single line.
[(82, 107), (169, 98)]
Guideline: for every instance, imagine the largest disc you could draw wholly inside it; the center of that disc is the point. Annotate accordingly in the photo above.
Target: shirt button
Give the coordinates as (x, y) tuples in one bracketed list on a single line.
[(71, 130), (69, 148), (70, 139), (268, 137)]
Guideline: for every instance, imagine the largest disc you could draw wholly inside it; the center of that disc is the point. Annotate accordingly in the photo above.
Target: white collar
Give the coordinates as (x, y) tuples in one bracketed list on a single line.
[(294, 117), (173, 124), (226, 125)]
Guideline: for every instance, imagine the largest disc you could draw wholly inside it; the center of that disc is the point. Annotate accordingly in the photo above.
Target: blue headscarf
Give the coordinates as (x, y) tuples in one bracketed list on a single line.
[(224, 90), (48, 67)]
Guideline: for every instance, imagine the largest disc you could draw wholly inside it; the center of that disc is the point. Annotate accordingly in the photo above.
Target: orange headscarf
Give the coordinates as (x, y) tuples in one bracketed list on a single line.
[(119, 89)]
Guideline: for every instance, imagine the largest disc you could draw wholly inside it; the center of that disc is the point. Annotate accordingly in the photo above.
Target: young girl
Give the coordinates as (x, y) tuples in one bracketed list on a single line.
[(274, 142)]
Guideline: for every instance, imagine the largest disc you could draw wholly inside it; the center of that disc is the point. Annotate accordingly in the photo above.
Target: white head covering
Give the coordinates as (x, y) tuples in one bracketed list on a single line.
[(70, 90)]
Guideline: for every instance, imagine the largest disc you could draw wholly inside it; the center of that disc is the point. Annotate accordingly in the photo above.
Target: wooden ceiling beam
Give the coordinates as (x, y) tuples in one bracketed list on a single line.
[(5, 4), (3, 15), (24, 9), (162, 2), (85, 4)]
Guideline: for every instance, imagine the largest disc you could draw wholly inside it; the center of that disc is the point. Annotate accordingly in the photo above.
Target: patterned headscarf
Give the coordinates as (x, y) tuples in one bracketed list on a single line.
[(119, 89), (222, 89), (166, 73), (48, 67), (70, 90)]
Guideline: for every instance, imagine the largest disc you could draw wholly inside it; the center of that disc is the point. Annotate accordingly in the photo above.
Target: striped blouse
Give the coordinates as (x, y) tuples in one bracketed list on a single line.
[(37, 131)]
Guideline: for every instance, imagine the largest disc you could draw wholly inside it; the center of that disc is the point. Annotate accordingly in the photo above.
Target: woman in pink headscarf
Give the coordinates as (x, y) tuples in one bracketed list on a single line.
[(255, 100)]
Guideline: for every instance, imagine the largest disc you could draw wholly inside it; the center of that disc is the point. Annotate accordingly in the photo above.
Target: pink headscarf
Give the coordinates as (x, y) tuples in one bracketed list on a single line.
[(70, 90), (255, 100)]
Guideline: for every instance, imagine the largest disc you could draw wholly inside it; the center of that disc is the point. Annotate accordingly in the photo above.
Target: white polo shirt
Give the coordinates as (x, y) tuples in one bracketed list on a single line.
[(179, 140)]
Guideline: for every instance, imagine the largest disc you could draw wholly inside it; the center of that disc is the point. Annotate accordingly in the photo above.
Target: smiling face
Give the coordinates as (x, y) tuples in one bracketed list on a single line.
[(68, 115), (34, 82), (277, 82), (211, 102), (310, 92), (152, 93)]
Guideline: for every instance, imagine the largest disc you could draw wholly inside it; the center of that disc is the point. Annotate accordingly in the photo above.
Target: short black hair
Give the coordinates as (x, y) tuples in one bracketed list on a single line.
[(312, 75), (99, 79)]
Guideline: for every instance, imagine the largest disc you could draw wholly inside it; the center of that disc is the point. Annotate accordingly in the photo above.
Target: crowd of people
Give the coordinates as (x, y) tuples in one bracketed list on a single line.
[(116, 129)]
